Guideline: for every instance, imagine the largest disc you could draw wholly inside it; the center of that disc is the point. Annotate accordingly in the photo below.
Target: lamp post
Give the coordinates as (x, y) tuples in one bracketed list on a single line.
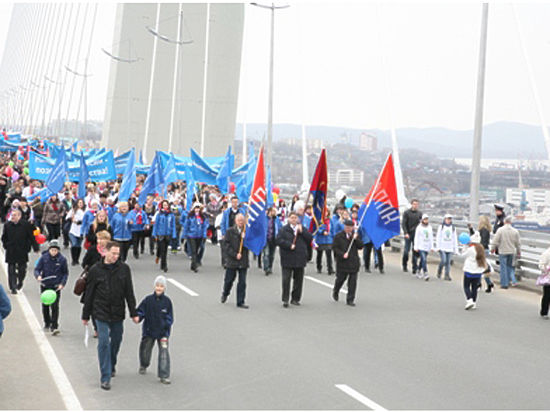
[(270, 98)]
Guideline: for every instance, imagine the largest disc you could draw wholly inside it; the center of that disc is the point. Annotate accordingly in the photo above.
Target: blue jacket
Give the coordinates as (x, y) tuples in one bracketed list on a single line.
[(165, 225), (158, 314), (194, 229), (87, 221), (322, 239), (133, 215), (305, 220), (121, 227), (225, 219), (278, 225), (111, 210), (54, 270), (5, 307), (336, 227)]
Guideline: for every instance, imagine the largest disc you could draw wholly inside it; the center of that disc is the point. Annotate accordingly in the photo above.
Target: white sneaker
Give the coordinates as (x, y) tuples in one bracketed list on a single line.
[(475, 306), (469, 304), (419, 275), (426, 277)]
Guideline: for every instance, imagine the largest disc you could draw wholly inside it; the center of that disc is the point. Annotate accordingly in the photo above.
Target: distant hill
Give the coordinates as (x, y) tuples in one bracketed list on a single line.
[(500, 140)]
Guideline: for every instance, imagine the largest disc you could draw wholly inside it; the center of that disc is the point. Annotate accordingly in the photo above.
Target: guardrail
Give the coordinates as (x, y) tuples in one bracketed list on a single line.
[(533, 244)]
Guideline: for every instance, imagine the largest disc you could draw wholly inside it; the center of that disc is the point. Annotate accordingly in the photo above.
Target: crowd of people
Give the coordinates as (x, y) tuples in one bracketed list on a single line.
[(110, 230)]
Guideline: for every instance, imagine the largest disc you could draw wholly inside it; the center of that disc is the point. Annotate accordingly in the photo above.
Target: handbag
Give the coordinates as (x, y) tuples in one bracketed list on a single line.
[(80, 284), (544, 278)]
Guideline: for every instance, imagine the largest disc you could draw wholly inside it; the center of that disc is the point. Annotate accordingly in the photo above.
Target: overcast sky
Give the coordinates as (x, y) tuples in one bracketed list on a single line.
[(329, 65)]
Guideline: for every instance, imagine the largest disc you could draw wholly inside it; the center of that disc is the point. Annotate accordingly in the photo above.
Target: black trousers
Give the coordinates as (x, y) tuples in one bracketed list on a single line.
[(124, 246), (50, 313), (138, 238), (545, 301), (367, 252), (145, 350), (230, 275), (195, 244), (162, 251), (16, 275), (297, 274), (328, 254), (470, 287), (53, 230), (65, 234), (149, 233), (214, 232), (352, 284)]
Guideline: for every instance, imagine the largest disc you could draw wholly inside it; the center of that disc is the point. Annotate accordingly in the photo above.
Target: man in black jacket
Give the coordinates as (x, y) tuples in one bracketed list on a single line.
[(345, 247), (236, 260), (411, 219), (18, 240), (108, 287), (293, 240)]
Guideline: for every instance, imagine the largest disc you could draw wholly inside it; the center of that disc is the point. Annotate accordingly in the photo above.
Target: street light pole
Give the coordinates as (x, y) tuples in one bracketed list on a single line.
[(270, 98)]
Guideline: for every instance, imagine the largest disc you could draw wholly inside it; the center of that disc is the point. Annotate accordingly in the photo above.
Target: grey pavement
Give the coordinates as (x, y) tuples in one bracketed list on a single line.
[(408, 344)]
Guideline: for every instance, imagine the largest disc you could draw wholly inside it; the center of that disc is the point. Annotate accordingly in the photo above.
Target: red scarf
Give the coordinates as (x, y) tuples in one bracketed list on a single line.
[(54, 206), (139, 218), (199, 218)]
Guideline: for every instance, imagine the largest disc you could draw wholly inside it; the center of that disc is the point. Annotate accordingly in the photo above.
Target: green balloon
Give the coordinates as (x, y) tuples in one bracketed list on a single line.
[(26, 163), (10, 163), (26, 170), (48, 297)]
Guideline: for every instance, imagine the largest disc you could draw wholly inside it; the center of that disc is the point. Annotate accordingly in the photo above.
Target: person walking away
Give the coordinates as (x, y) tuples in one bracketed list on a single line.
[(292, 240), (75, 216), (411, 219), (508, 244), (194, 231), (346, 246), (138, 224), (236, 262), (273, 227), (446, 242), (164, 230), (52, 272), (5, 308), (121, 229), (323, 239), (51, 217), (157, 314), (423, 244), (17, 239), (108, 287), (484, 229), (474, 266)]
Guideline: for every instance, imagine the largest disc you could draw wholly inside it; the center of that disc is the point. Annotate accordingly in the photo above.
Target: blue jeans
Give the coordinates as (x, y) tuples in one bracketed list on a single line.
[(423, 260), (76, 241), (445, 262), (109, 338), (507, 270)]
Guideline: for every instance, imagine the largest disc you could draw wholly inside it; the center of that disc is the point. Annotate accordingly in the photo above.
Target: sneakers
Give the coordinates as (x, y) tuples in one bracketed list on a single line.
[(426, 277), (105, 386), (165, 381), (350, 303), (448, 278), (439, 275), (55, 331), (285, 304), (142, 370), (489, 288), (419, 275), (469, 304), (295, 303), (544, 317)]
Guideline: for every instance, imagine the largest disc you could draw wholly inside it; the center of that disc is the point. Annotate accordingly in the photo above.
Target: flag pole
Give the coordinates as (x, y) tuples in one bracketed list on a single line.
[(370, 198)]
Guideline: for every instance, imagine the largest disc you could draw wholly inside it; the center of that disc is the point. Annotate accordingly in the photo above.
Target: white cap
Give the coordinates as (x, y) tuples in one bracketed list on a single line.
[(448, 216), (160, 280), (425, 216), (196, 204)]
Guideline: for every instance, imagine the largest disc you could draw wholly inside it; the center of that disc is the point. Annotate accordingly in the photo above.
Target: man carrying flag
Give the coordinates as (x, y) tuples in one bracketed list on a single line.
[(318, 191)]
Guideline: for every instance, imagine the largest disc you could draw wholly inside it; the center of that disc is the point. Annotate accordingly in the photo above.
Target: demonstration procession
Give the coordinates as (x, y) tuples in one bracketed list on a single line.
[(96, 215)]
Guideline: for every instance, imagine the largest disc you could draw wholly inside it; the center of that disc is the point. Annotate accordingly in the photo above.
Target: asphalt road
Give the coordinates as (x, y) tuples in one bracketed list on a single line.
[(408, 344)]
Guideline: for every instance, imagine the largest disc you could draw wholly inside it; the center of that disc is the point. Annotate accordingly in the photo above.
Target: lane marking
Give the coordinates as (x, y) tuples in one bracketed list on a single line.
[(59, 376), (359, 397), (328, 285), (182, 287)]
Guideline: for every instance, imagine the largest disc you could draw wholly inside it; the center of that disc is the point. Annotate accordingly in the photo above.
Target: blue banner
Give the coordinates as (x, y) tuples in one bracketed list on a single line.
[(100, 168)]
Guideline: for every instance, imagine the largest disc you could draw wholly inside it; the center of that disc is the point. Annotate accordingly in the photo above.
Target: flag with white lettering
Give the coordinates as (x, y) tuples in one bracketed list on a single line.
[(256, 225)]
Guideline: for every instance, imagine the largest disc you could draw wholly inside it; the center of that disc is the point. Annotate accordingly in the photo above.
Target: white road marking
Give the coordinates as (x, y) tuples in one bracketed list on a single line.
[(328, 285), (60, 378), (359, 397), (182, 287)]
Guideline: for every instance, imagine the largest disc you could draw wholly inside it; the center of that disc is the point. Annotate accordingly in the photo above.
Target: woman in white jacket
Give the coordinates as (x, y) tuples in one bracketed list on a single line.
[(446, 243), (423, 244), (474, 266)]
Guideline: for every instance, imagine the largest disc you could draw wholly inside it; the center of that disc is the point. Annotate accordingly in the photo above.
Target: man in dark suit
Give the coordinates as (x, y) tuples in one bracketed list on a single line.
[(345, 247), (236, 261), (293, 240)]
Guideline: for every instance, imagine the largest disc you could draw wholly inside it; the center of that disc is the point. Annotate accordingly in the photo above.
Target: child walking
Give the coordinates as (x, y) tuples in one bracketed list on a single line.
[(156, 311), (475, 265)]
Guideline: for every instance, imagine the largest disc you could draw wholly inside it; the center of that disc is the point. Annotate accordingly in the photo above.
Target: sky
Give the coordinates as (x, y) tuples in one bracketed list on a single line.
[(351, 64)]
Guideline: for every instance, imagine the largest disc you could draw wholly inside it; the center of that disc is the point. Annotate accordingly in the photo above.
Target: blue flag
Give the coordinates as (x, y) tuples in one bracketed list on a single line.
[(191, 188), (256, 225), (244, 185), (74, 147), (154, 180), (83, 177), (129, 179), (269, 188), (222, 180), (141, 157), (170, 174), (202, 171), (57, 177)]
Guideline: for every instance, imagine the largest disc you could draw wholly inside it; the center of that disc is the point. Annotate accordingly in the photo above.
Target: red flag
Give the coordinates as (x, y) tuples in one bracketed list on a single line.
[(318, 190), (386, 187), (256, 226)]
